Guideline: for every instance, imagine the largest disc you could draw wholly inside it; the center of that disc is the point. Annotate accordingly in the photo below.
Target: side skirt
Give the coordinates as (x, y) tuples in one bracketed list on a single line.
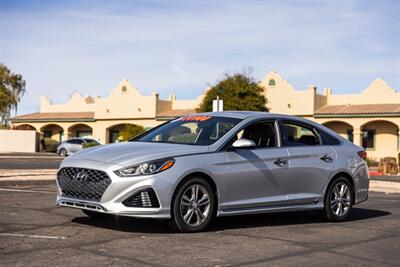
[(269, 209)]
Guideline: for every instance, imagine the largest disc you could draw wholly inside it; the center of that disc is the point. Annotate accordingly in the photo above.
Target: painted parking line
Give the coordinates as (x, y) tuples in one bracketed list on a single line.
[(26, 191), (33, 236)]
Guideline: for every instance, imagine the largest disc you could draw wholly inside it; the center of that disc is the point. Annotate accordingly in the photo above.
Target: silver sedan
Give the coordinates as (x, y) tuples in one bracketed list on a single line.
[(74, 145), (191, 169)]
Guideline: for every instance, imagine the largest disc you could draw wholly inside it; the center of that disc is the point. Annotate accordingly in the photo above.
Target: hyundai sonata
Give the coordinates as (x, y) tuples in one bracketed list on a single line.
[(191, 169)]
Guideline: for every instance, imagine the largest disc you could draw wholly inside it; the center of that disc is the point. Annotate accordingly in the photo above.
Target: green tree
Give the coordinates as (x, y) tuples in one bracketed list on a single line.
[(12, 88), (239, 91), (131, 131)]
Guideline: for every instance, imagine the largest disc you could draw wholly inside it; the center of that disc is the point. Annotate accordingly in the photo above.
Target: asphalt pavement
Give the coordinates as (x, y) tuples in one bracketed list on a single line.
[(29, 161), (33, 232)]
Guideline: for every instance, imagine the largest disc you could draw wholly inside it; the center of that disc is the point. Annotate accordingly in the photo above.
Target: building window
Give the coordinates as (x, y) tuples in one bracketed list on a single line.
[(124, 89), (368, 138), (82, 134), (272, 82), (350, 135)]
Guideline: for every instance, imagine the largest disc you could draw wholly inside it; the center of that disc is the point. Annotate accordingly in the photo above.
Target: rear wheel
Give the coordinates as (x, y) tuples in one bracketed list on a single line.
[(193, 206), (338, 200)]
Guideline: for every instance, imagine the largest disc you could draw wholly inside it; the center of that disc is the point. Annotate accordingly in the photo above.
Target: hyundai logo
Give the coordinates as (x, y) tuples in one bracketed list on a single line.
[(80, 176)]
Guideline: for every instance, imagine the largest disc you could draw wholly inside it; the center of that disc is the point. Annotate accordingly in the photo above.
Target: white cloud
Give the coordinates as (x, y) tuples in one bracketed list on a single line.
[(181, 47)]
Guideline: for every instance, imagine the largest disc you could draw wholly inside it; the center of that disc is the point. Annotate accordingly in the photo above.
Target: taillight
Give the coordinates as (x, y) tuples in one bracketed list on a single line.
[(362, 154)]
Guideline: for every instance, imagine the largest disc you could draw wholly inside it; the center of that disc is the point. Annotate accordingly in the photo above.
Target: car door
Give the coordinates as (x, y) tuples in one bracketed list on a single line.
[(75, 145), (310, 162), (256, 177)]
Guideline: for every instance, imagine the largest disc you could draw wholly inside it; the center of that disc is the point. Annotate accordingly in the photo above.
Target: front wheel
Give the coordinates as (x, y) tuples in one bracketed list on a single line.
[(338, 200), (193, 206), (63, 152)]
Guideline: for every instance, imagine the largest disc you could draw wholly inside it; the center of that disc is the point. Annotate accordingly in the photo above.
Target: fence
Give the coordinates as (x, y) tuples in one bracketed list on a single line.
[(19, 141)]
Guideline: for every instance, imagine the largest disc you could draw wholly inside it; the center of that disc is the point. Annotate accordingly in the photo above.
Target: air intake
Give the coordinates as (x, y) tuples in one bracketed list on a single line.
[(143, 199)]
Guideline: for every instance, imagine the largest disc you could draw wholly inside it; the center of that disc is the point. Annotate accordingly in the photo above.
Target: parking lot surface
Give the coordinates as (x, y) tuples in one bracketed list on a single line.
[(30, 161), (35, 232)]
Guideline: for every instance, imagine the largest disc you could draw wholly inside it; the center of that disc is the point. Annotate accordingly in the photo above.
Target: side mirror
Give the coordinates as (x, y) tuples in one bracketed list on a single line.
[(244, 143)]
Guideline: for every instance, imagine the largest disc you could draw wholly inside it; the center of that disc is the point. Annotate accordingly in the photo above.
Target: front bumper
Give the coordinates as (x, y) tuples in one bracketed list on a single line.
[(120, 189)]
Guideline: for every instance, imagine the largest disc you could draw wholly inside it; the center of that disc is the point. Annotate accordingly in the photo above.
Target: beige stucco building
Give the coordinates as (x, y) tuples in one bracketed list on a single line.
[(103, 118), (370, 118)]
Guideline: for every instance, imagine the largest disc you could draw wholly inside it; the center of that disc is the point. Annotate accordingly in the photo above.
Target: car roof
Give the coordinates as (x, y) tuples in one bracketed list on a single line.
[(255, 114), (243, 114), (231, 114)]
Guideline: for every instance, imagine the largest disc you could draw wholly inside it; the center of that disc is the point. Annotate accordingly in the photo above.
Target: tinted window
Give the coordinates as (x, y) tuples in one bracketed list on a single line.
[(75, 141), (300, 135), (262, 133), (192, 130), (328, 139)]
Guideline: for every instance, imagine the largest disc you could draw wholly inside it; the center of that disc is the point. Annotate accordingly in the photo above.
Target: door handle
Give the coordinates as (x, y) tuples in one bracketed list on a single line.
[(280, 162), (327, 158)]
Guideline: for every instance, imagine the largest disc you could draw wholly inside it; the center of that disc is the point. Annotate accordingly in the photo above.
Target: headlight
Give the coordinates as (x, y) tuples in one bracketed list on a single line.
[(146, 168)]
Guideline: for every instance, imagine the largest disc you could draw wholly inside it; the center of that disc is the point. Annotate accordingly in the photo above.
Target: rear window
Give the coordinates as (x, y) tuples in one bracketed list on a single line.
[(328, 139)]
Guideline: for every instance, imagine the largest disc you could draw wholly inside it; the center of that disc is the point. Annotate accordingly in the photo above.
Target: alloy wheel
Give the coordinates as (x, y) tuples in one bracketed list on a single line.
[(195, 205), (340, 199)]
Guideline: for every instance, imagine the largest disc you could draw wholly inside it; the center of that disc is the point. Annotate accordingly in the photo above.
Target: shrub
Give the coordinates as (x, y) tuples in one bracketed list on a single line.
[(131, 131), (91, 144), (51, 145), (372, 162)]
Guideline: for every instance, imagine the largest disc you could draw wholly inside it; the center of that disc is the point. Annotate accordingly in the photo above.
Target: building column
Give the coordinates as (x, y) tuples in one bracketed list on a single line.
[(100, 133), (357, 136), (398, 138), (65, 133)]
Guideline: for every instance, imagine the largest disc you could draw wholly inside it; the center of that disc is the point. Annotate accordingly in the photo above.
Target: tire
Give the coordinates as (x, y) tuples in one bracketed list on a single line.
[(339, 200), (191, 211), (63, 152), (95, 215)]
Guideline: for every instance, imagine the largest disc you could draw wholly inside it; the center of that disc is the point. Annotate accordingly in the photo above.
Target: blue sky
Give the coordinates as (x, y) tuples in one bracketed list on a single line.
[(182, 46)]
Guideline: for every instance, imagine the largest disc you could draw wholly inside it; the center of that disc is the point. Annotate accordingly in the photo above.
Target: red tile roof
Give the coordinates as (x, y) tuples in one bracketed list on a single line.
[(55, 116), (368, 109), (175, 113)]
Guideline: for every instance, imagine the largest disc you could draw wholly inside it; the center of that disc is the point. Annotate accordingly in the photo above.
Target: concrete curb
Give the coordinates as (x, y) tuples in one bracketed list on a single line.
[(28, 175), (384, 186), (389, 187)]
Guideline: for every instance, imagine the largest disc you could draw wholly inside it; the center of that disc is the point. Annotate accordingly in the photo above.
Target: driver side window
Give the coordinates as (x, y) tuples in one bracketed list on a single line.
[(261, 133)]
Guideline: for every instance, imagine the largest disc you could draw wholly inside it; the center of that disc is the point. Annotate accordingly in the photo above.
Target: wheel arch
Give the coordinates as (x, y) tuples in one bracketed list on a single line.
[(346, 175), (200, 174)]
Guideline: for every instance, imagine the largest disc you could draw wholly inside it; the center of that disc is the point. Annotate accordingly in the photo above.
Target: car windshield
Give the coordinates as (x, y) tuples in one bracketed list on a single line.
[(191, 130)]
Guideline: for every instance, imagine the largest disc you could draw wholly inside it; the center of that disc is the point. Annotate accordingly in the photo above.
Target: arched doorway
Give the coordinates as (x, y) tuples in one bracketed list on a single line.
[(80, 130), (342, 128), (52, 131), (380, 138), (24, 127), (114, 132)]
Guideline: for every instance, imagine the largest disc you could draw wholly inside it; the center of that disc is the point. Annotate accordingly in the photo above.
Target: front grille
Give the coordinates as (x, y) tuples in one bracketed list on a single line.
[(143, 199), (81, 183)]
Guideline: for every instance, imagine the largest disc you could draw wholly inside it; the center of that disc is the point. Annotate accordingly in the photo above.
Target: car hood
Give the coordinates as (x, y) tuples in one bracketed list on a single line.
[(128, 153)]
